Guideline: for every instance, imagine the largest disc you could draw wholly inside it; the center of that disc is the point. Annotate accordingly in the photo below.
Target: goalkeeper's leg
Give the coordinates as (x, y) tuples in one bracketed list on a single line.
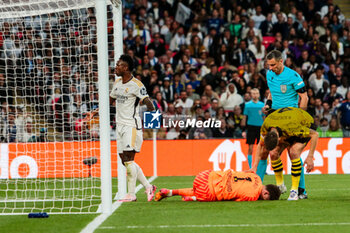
[(200, 190), (164, 193), (201, 187)]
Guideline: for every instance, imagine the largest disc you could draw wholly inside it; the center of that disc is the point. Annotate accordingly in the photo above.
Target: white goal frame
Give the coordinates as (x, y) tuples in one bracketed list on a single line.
[(103, 82)]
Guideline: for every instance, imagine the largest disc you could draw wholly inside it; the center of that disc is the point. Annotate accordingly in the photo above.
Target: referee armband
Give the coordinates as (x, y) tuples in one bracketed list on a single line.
[(301, 90)]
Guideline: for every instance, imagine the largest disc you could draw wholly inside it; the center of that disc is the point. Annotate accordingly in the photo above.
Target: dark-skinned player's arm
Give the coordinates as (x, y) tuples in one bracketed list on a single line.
[(149, 104)]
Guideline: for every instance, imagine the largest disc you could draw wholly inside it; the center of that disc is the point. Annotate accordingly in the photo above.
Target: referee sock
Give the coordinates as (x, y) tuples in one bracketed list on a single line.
[(183, 192), (131, 171), (261, 170), (277, 166), (302, 176), (250, 160), (296, 171), (141, 177)]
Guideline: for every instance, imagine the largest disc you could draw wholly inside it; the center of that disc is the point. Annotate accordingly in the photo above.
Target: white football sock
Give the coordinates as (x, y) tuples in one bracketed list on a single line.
[(131, 171), (141, 177)]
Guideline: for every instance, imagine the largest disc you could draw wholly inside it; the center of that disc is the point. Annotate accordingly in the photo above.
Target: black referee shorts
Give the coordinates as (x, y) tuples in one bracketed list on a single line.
[(253, 133)]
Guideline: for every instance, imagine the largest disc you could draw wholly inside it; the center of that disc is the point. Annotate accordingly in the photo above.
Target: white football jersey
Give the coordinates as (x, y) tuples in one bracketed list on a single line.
[(128, 96)]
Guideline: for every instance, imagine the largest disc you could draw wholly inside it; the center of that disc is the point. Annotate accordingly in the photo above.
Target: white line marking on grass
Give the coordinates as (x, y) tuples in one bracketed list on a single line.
[(230, 225), (106, 228), (94, 224)]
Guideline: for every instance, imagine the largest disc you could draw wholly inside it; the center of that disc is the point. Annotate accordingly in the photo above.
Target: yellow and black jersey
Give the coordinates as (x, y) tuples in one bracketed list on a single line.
[(290, 121)]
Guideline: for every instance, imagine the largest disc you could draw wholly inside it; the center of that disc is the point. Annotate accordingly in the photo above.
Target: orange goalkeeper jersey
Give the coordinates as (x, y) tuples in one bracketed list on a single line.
[(235, 186)]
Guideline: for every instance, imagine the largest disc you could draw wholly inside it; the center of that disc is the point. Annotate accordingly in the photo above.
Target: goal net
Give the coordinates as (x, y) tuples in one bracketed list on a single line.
[(49, 149)]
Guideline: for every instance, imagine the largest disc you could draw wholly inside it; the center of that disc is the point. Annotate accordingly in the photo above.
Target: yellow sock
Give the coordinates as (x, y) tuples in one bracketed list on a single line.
[(277, 166), (296, 171)]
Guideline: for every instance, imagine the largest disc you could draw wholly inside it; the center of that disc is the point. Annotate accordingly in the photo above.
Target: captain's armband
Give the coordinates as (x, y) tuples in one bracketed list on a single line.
[(301, 90)]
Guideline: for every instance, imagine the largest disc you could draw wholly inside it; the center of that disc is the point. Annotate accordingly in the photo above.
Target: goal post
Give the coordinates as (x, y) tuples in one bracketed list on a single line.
[(56, 65), (118, 51), (105, 154)]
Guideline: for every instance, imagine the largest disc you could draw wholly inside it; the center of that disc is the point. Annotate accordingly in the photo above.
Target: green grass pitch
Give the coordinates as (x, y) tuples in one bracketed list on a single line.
[(326, 210)]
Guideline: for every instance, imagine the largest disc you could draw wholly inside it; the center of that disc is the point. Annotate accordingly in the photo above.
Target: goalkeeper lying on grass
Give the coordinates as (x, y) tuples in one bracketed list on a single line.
[(224, 186)]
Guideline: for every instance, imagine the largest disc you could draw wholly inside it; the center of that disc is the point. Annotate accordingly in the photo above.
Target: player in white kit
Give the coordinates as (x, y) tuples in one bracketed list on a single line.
[(129, 93)]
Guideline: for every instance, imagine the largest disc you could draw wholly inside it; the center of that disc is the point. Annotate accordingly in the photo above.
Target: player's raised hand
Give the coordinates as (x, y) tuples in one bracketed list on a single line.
[(309, 161)]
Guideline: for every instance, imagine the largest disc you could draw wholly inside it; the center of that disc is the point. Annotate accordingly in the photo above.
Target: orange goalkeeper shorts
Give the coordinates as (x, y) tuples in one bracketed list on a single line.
[(201, 187)]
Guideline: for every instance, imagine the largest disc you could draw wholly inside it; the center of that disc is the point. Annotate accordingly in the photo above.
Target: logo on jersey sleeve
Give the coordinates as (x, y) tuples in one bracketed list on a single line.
[(151, 120), (283, 88), (143, 91)]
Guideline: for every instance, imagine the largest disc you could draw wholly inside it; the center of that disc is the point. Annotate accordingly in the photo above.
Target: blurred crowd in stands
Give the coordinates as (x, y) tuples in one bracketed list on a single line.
[(197, 58)]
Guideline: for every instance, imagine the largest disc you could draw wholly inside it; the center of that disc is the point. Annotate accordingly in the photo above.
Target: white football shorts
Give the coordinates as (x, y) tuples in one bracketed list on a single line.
[(128, 138)]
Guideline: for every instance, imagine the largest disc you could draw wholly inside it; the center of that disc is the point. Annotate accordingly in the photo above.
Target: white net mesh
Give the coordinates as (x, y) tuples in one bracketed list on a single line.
[(48, 81), (23, 8)]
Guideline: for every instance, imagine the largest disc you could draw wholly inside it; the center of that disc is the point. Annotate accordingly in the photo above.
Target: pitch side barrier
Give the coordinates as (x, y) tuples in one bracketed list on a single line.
[(174, 158)]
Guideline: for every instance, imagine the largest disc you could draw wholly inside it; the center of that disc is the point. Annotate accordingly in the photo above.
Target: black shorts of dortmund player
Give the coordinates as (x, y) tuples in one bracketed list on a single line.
[(253, 133), (270, 111), (294, 139)]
